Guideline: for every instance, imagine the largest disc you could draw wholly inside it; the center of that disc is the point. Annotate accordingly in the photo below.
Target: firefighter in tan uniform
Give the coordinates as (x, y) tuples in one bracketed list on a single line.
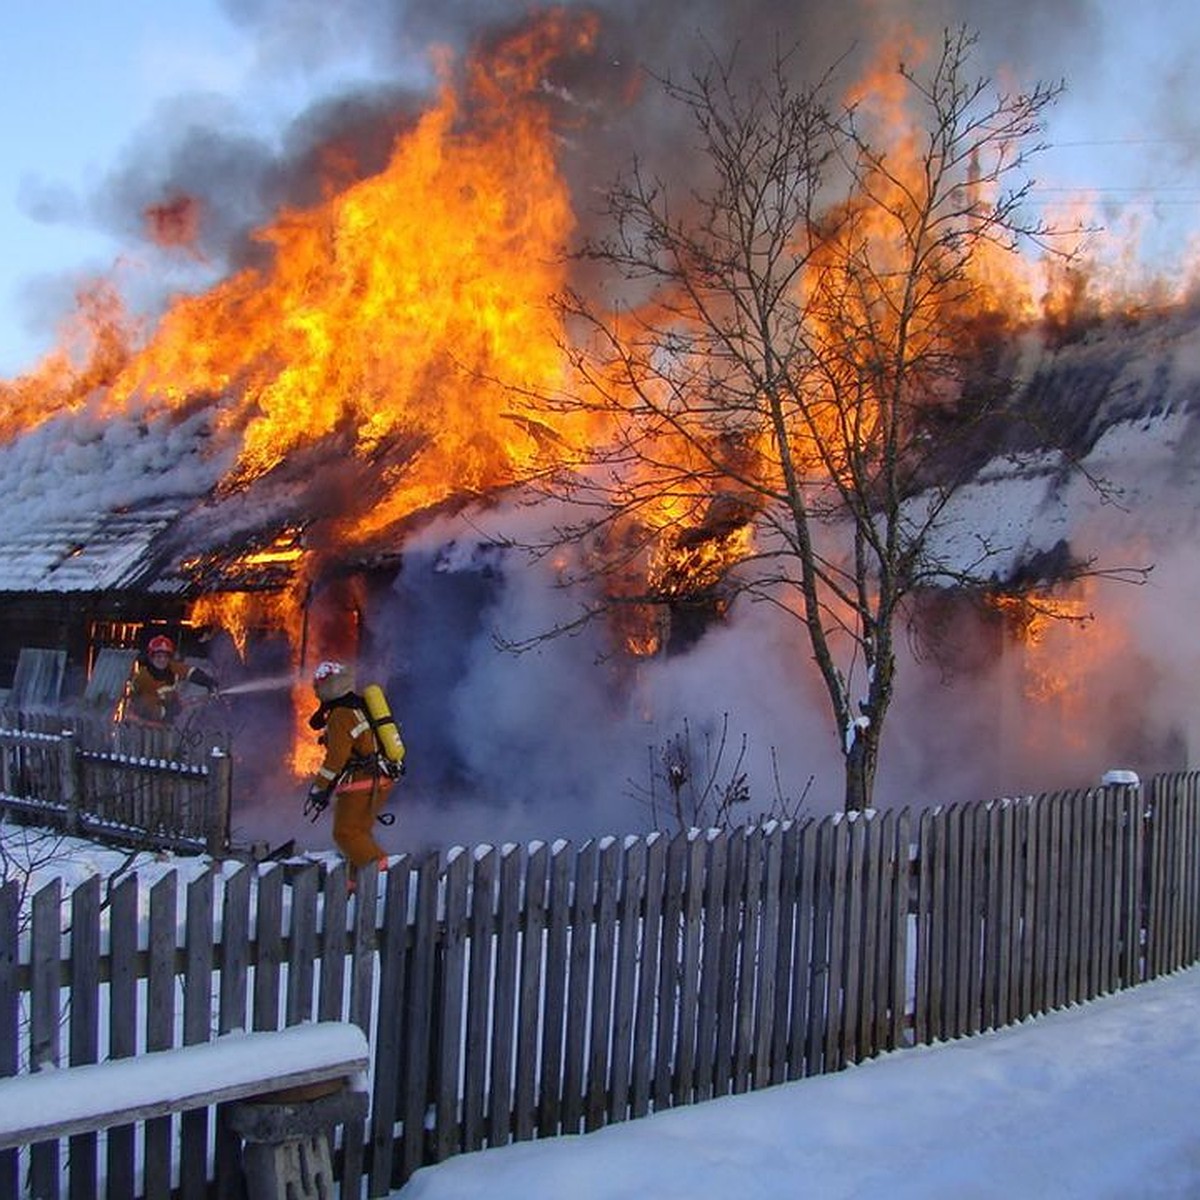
[(152, 690), (351, 771)]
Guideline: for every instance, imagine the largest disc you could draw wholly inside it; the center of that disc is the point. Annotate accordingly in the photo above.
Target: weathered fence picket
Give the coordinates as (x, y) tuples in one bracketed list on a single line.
[(523, 992)]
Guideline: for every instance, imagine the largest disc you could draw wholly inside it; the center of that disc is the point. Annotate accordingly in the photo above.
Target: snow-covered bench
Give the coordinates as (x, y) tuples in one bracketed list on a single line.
[(270, 1068)]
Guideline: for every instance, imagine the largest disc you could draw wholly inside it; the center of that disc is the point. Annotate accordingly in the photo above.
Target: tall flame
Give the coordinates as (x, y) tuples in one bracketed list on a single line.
[(400, 315)]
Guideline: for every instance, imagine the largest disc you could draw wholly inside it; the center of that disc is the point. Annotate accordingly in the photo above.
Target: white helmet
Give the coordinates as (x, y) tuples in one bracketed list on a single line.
[(332, 679)]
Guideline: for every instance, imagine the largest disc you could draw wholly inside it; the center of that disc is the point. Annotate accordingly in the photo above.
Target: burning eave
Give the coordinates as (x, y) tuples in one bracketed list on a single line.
[(263, 562)]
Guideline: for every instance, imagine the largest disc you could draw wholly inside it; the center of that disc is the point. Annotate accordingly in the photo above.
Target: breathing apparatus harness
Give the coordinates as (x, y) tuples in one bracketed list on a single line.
[(380, 763)]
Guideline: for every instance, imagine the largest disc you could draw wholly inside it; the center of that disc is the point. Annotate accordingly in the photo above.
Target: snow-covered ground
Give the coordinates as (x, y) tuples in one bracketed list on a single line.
[(1098, 1101)]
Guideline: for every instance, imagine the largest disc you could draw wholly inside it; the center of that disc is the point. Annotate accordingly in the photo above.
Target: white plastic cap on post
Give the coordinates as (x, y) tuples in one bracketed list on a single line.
[(1121, 778)]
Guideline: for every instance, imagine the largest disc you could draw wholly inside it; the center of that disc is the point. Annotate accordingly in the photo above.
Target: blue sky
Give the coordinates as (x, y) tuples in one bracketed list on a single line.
[(86, 83), (79, 78)]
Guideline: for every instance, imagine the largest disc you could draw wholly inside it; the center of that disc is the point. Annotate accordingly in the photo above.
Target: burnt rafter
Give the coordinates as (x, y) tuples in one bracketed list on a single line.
[(261, 561)]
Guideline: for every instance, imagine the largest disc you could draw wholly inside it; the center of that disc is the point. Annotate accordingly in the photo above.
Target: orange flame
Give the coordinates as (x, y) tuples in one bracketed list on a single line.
[(400, 315)]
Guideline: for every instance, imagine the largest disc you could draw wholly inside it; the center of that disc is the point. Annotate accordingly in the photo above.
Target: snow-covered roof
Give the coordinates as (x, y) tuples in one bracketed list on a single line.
[(90, 552)]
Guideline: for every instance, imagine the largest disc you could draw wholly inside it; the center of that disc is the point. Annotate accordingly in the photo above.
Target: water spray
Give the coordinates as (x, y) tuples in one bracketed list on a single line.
[(270, 683)]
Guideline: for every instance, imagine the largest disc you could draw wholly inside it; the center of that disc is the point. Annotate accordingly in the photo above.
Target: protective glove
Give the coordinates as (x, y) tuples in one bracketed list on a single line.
[(316, 802)]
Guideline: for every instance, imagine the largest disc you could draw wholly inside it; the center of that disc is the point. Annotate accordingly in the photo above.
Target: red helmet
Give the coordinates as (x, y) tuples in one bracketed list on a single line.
[(160, 645)]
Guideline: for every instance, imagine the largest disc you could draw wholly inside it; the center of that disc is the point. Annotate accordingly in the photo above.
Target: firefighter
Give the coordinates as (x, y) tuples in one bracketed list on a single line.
[(353, 772), (152, 690)]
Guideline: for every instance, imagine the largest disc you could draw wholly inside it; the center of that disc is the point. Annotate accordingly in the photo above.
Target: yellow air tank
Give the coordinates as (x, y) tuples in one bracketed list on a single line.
[(387, 732)]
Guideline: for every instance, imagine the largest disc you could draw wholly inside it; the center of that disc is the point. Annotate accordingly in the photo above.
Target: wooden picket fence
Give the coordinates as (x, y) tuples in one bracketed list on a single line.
[(529, 991), (131, 784)]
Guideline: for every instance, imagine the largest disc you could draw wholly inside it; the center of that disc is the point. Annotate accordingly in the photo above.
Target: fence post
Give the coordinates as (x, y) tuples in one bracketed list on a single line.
[(68, 779), (219, 786)]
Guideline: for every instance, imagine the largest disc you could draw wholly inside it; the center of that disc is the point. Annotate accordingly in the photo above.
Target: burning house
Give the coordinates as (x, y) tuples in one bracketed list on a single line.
[(325, 453)]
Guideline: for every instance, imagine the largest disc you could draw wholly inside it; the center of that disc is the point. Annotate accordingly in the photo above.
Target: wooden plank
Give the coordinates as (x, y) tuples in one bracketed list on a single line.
[(852, 969), (956, 925), (533, 947), (456, 882), (231, 1012), (583, 917), (989, 815), (1119, 818), (10, 999), (781, 1026), (644, 1045), (727, 984), (818, 1001), (902, 928), (197, 1028), (835, 999), (160, 1025), (1088, 985), (362, 989), (873, 997), (1157, 942), (504, 995), (83, 1030), (1016, 932), (1039, 821), (971, 909), (684, 1082), (764, 1001), (751, 892), (44, 956), (1004, 932), (801, 981), (1179, 848), (929, 960), (331, 999), (422, 1004), (386, 1050), (1068, 903), (1190, 850), (706, 1066), (665, 1046), (1139, 933), (557, 950), (363, 945), (268, 945), (633, 877), (300, 999), (482, 947), (122, 1022), (1028, 852), (1105, 891), (235, 946), (1080, 881), (1056, 891), (603, 970)]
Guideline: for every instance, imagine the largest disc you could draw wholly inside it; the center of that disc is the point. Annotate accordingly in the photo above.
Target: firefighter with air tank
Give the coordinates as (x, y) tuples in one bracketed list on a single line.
[(363, 756)]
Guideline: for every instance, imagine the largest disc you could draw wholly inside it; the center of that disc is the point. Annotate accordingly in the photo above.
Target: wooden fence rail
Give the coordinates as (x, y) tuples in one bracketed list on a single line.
[(520, 992)]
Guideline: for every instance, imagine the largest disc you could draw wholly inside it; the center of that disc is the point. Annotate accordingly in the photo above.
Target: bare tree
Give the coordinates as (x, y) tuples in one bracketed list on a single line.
[(788, 358)]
